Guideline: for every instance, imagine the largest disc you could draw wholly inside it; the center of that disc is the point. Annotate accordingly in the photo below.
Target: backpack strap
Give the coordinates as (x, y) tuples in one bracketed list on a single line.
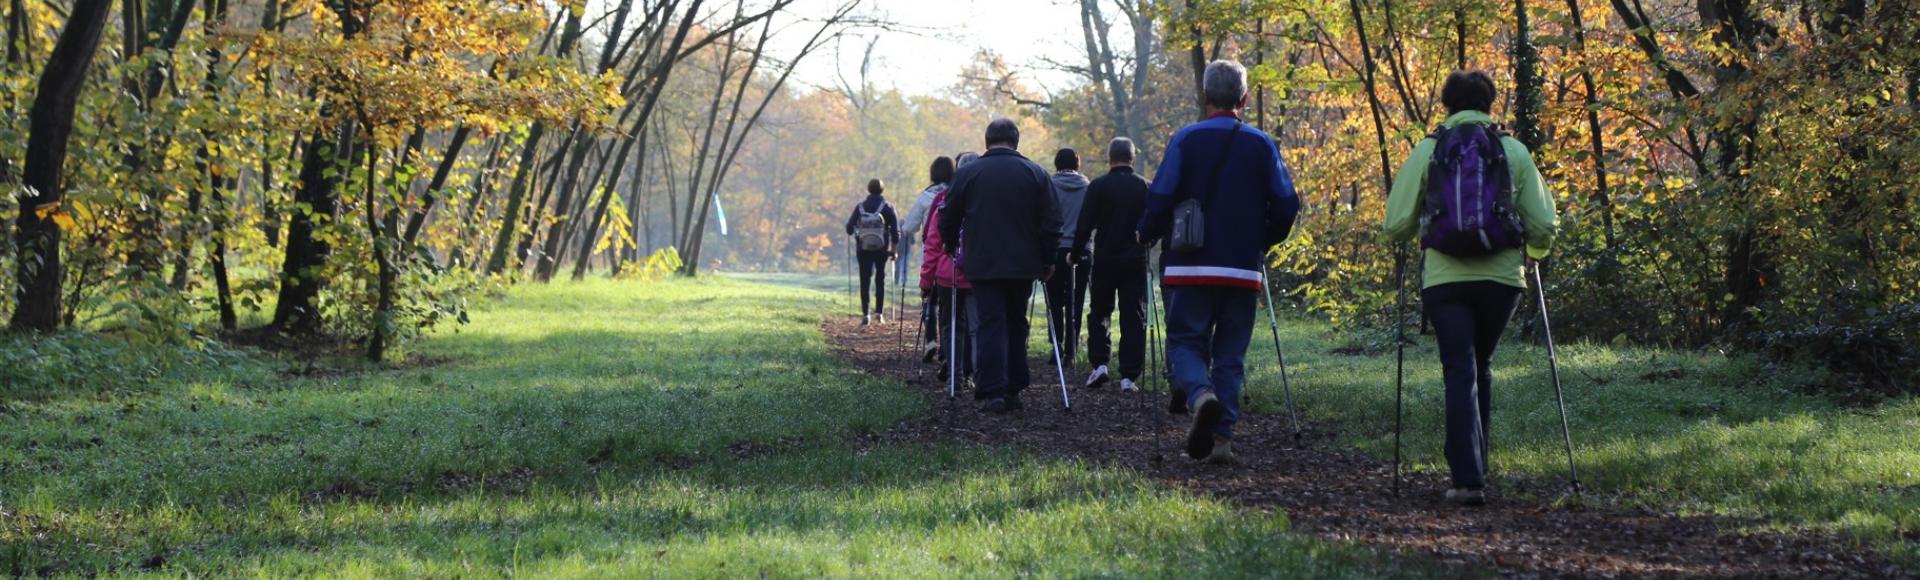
[(1220, 165)]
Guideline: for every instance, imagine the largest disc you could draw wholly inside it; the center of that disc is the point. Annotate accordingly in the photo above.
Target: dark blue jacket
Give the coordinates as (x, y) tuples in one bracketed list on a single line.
[(1001, 218), (1250, 209)]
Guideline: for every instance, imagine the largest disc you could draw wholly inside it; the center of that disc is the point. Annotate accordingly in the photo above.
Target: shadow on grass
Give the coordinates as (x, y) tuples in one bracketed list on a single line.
[(891, 511), (1669, 431)]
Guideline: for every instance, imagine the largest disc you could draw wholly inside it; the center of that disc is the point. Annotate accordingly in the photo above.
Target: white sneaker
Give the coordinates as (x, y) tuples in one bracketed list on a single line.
[(882, 318), (1099, 377), (933, 350), (1127, 386), (866, 319)]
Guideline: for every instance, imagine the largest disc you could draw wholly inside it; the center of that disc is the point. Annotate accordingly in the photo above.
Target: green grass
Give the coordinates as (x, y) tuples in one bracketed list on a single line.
[(1682, 431), (576, 430)]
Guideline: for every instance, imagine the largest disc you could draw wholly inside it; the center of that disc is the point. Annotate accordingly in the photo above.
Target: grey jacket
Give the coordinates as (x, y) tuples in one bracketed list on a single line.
[(1070, 192)]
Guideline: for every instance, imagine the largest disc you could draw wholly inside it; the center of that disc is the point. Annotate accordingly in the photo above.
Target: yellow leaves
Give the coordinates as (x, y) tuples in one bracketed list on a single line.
[(56, 212)]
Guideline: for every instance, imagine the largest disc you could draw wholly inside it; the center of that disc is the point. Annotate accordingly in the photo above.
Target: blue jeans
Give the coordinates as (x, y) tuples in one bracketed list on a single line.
[(1208, 329), (1468, 318), (1000, 337)]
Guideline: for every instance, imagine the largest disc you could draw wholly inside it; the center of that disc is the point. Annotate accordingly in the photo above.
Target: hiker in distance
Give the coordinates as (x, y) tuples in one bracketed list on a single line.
[(951, 294), (1117, 263), (1002, 224), (940, 174), (875, 230), (1221, 198), (1067, 290), (1476, 201)]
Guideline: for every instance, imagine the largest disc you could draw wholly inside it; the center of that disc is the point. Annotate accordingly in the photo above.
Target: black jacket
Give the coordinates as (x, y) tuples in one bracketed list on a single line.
[(1001, 218), (877, 203), (1113, 208)]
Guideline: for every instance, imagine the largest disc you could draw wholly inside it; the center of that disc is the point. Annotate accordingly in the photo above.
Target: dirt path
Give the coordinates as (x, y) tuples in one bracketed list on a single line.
[(1340, 494)]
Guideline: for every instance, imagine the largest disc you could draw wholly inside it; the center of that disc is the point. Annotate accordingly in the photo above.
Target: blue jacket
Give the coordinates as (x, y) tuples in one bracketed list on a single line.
[(1252, 207)]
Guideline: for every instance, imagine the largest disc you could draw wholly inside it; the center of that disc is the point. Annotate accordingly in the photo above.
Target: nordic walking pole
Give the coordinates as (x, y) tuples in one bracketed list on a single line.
[(1553, 366), (1400, 360), (850, 267), (1273, 323), (1153, 350), (1065, 401)]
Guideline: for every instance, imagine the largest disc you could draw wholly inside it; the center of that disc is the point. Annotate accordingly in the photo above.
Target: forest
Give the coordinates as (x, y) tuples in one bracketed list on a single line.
[(476, 288), (359, 169)]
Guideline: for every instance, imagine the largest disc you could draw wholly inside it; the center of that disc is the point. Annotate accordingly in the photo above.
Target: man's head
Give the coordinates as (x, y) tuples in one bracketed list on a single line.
[(875, 187), (1225, 85), (1002, 132), (1468, 91), (1120, 152), (1066, 160), (964, 158), (942, 170)]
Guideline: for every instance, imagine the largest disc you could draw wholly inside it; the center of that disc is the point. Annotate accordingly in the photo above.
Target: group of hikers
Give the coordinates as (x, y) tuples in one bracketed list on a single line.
[(996, 224)]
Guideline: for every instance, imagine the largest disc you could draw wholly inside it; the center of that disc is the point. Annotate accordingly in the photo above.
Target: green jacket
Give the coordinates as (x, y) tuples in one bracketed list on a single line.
[(1533, 202)]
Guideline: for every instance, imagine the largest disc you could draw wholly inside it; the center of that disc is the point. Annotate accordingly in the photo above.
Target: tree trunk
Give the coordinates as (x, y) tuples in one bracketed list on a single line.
[(1596, 141), (216, 180), (1368, 73), (448, 159), (516, 198), (1526, 81), (1460, 37), (50, 122), (301, 278)]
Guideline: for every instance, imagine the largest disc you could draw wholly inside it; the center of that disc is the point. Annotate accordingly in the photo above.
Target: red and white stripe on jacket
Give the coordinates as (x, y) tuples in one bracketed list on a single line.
[(1212, 276)]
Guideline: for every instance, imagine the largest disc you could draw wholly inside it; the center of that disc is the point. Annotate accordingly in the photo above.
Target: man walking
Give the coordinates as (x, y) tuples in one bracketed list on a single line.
[(1118, 266), (1244, 203), (1002, 223), (1067, 292)]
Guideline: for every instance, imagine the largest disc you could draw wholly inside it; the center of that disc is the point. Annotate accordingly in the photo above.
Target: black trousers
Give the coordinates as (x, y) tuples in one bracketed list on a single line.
[(1468, 319), (1067, 295), (928, 313), (873, 282), (1000, 329), (955, 329), (1126, 281)]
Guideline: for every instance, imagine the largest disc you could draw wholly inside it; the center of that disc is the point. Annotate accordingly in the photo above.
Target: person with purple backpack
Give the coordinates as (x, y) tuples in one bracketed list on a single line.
[(1481, 211)]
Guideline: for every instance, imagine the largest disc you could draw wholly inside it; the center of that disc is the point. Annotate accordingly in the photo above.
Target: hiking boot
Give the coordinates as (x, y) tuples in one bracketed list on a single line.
[(1127, 386), (1098, 378), (1467, 497), (933, 350), (1206, 416), (1001, 406), (1222, 452), (1177, 402), (866, 319)]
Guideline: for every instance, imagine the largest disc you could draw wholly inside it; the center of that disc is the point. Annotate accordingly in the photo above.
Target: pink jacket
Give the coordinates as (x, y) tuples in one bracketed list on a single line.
[(936, 266)]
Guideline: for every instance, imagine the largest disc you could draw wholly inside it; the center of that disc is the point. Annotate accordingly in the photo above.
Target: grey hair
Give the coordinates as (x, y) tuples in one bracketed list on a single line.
[(965, 158), (1225, 84), (1120, 150), (1003, 131)]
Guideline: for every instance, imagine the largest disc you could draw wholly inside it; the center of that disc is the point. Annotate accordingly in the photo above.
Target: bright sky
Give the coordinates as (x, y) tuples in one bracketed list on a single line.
[(939, 37)]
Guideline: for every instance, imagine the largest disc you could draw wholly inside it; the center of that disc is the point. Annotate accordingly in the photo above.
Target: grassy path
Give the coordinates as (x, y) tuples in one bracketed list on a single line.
[(679, 429)]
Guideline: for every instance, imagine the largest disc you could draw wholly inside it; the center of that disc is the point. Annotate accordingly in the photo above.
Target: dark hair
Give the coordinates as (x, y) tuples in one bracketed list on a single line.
[(1002, 131), (1066, 159), (874, 186), (1468, 91), (942, 170)]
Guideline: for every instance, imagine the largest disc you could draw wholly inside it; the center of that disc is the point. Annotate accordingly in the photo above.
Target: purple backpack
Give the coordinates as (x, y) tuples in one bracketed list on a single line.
[(1469, 195)]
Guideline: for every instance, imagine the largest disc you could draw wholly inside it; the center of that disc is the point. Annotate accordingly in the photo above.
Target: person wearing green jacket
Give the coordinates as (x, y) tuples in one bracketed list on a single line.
[(1471, 296)]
